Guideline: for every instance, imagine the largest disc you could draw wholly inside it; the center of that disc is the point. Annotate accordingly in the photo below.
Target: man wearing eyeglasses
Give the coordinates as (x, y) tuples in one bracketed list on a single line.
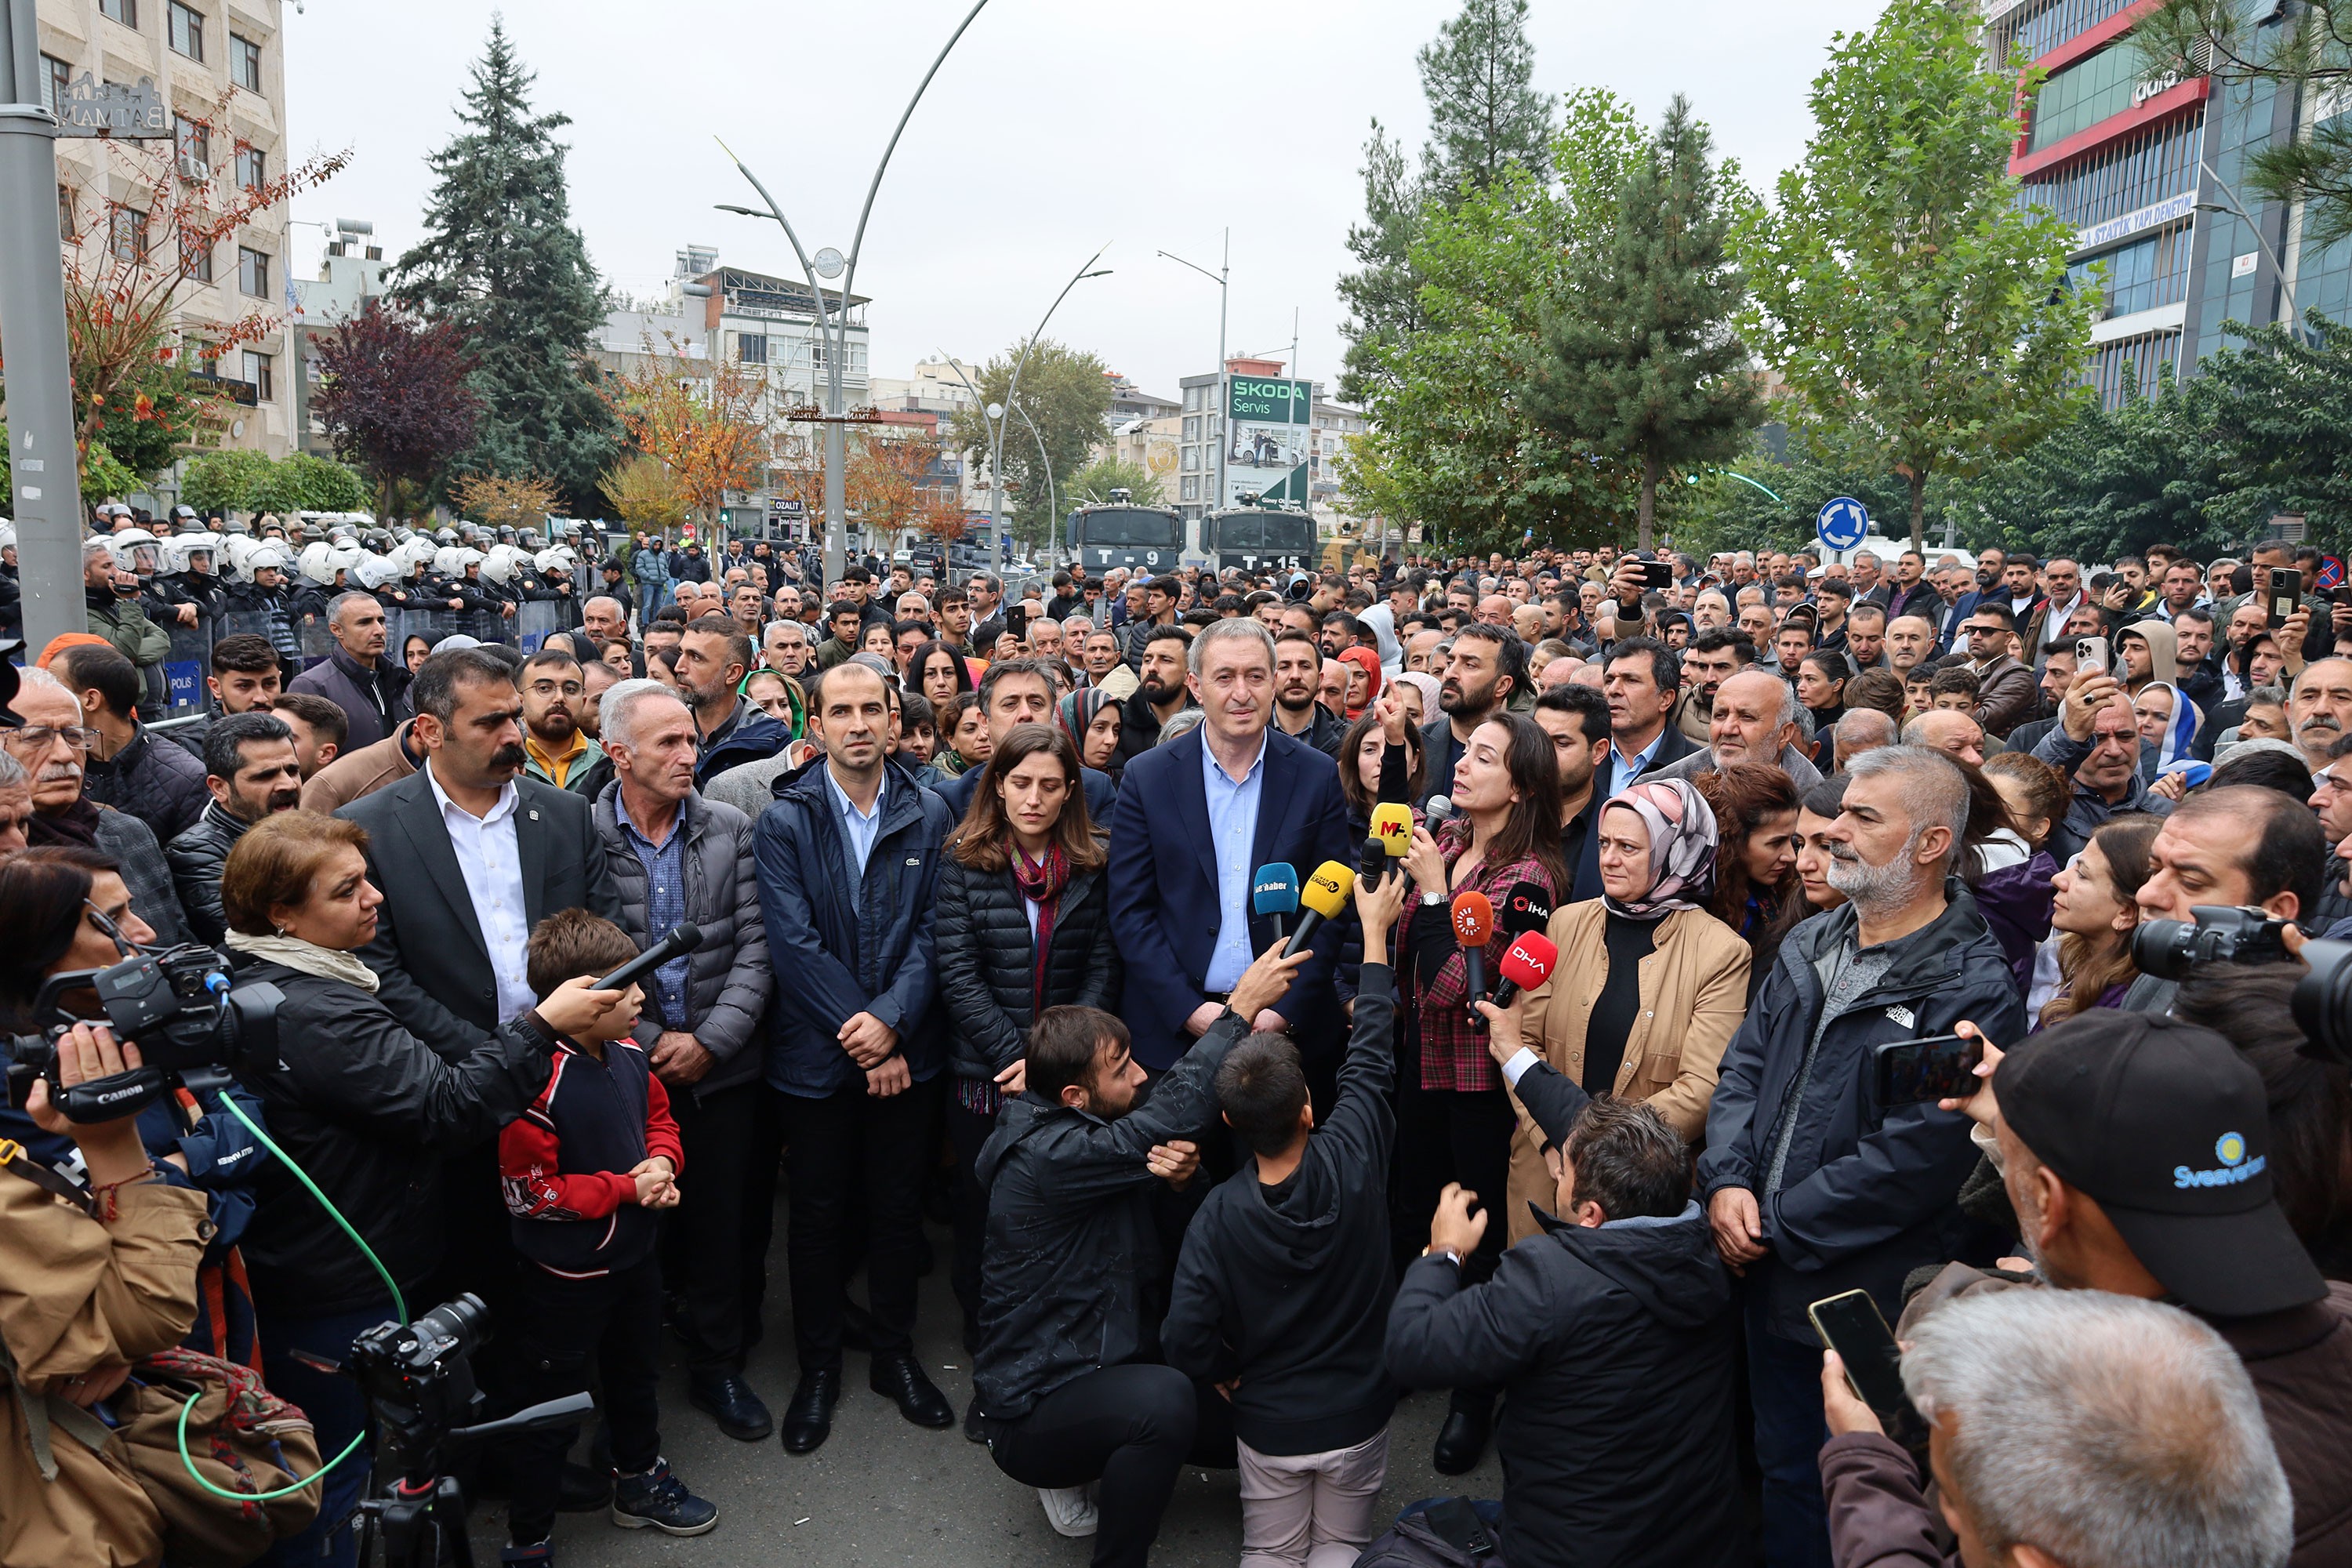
[(53, 746), (2006, 696)]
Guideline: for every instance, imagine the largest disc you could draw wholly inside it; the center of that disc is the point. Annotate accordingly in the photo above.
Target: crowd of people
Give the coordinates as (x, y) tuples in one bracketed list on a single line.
[(1284, 991)]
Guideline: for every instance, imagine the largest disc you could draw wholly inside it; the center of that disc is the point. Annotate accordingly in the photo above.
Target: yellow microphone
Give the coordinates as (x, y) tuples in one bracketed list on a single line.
[(1325, 895)]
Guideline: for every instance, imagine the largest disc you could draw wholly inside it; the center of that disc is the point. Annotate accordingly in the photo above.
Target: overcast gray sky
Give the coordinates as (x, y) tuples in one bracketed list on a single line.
[(1056, 125)]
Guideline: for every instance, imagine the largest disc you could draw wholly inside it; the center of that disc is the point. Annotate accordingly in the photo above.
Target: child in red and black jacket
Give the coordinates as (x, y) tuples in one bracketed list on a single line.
[(584, 1171)]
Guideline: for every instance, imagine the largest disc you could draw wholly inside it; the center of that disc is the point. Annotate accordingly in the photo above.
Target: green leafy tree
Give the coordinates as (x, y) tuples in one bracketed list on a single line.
[(1485, 119), (2282, 425), (1452, 446), (2304, 51), (1643, 359), (1716, 508), (1485, 114), (1901, 291), (1383, 299), (224, 480), (1066, 392), (1094, 483), (501, 259)]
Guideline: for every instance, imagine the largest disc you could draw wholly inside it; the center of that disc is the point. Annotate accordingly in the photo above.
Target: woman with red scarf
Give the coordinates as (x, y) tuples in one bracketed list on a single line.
[(1363, 679), (1022, 924)]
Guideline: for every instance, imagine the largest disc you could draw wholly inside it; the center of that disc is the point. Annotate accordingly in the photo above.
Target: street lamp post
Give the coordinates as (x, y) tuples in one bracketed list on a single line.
[(1222, 279), (2237, 209), (1053, 499), (835, 331), (1011, 396)]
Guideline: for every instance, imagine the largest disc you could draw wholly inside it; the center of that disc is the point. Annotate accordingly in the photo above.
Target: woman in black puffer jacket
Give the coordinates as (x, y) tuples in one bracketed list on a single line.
[(1022, 923)]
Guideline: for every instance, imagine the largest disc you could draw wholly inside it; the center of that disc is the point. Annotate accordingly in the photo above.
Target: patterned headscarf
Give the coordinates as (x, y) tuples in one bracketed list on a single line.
[(1078, 710), (1682, 836)]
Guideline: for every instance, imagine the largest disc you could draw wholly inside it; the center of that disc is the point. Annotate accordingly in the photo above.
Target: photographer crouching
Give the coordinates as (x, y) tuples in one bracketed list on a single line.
[(368, 1109)]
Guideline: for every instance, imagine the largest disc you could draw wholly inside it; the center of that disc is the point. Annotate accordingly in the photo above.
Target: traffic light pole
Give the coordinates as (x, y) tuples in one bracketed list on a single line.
[(44, 462)]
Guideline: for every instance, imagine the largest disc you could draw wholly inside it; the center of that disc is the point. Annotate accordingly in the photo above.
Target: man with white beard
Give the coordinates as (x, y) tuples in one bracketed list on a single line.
[(1814, 1186)]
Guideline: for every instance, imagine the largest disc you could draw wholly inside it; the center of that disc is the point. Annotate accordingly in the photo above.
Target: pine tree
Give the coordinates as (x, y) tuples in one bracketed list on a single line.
[(1483, 118), (1641, 357), (501, 259), (1483, 113)]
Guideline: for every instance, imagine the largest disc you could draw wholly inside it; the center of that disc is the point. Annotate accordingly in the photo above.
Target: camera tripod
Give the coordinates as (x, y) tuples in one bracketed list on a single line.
[(423, 1508)]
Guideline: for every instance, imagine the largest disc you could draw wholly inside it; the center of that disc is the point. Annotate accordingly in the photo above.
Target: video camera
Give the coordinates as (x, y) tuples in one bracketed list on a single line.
[(2222, 933), (192, 1024)]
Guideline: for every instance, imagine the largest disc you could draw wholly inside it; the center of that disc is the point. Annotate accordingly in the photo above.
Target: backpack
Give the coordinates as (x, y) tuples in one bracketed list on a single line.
[(241, 1437)]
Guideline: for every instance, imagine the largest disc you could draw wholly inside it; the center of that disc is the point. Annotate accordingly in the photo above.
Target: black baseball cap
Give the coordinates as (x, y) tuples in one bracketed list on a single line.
[(2168, 1128)]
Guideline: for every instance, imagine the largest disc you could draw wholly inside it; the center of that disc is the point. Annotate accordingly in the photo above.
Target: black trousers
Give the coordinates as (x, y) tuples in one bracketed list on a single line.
[(853, 1143), (711, 1251), (966, 1132), (1130, 1427), (573, 1332), (1449, 1135)]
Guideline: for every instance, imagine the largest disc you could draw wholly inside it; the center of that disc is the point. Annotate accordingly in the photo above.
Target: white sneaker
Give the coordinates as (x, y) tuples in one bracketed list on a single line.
[(1070, 1511)]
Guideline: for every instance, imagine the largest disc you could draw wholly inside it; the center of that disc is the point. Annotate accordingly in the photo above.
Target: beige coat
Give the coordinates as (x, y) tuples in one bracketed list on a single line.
[(100, 1295), (1693, 989)]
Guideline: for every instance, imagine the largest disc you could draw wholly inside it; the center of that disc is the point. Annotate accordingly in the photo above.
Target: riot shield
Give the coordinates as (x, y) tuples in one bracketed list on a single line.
[(184, 668)]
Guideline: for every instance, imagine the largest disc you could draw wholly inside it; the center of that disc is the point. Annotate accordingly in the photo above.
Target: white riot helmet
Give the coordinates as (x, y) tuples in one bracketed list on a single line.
[(451, 560), (413, 553), (7, 533), (321, 561), (133, 550), (502, 562), (249, 555), (375, 571), (174, 551), (557, 558)]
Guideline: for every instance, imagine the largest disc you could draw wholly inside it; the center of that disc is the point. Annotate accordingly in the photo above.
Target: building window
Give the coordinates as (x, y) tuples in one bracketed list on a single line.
[(195, 257), (123, 11), (1192, 428), (187, 30), (65, 214), (194, 144), (253, 272), (816, 353), (252, 168), (127, 234), (61, 81), (1191, 490), (257, 373), (1191, 457), (245, 62), (751, 348)]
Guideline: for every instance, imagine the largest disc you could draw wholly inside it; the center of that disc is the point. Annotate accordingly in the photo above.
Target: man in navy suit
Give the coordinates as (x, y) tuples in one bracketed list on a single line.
[(1195, 818), (1956, 585)]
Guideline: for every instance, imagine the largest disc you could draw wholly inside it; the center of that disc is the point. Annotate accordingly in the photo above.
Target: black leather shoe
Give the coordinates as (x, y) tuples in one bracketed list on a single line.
[(856, 1328), (580, 1489), (975, 1430), (897, 1379), (728, 1399), (1461, 1441), (808, 1419)]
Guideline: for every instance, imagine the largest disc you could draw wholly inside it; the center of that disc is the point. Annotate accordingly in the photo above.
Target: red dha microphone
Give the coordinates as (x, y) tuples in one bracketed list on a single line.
[(1526, 965)]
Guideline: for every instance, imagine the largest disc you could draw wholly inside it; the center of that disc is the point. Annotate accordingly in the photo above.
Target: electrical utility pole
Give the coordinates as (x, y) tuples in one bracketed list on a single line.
[(44, 463)]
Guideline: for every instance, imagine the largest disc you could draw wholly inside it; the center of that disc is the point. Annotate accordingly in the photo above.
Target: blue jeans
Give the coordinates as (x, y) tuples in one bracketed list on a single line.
[(338, 1412), (1784, 1380)]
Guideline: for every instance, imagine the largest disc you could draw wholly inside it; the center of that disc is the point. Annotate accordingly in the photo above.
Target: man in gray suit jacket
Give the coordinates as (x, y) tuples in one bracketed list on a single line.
[(470, 856)]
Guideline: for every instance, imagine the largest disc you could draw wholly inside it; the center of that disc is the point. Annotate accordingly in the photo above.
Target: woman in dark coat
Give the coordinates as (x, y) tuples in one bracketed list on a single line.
[(364, 1107), (1022, 923)]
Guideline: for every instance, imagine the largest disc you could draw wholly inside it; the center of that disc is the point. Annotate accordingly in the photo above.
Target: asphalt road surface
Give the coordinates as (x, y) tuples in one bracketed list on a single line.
[(884, 1492)]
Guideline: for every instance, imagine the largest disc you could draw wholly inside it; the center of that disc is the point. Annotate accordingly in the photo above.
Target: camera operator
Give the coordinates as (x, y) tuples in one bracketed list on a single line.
[(2239, 846), (366, 1108), (109, 1285), (2136, 1153), (52, 904), (2071, 1427)]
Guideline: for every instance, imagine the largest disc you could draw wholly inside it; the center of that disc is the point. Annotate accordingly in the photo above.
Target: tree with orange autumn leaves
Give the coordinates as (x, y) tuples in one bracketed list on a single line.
[(139, 363), (886, 488), (699, 419)]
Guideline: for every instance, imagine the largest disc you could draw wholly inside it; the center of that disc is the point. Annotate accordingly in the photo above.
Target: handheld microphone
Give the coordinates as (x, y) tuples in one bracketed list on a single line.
[(1393, 825), (1324, 896), (1525, 967), (1526, 908), (1437, 808), (1274, 891), (1474, 924), (681, 941)]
